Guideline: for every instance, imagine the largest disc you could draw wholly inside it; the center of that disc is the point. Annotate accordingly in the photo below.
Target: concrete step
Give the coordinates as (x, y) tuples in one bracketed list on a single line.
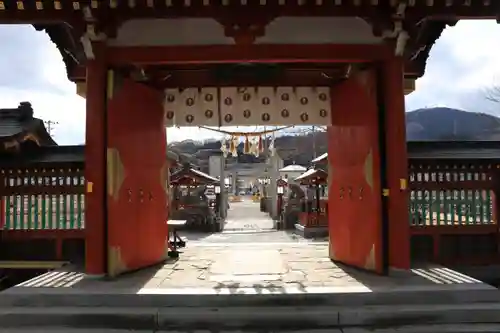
[(467, 328), (249, 318), (210, 298), (473, 328)]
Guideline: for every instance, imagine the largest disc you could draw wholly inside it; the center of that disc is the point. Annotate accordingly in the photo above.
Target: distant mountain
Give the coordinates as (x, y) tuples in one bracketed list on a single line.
[(450, 124), (430, 124)]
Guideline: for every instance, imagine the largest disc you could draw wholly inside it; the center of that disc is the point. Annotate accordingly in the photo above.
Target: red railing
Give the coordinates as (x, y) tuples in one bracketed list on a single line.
[(452, 212)]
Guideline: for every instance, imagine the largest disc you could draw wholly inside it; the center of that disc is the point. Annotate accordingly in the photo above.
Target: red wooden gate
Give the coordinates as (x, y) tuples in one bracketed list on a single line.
[(137, 202), (355, 194)]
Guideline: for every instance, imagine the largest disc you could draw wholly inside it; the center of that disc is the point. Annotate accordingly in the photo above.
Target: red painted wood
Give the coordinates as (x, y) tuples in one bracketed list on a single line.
[(95, 158), (480, 229), (2, 212), (355, 222), (303, 218), (259, 53), (397, 163), (44, 234), (137, 226)]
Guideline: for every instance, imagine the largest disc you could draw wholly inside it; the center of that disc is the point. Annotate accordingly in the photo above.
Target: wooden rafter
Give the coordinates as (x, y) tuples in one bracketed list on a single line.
[(36, 10)]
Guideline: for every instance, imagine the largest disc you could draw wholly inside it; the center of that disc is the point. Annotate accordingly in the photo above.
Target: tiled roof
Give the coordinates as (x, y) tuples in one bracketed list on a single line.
[(188, 172), (18, 124), (293, 167), (44, 156), (454, 150), (466, 150), (51, 155)]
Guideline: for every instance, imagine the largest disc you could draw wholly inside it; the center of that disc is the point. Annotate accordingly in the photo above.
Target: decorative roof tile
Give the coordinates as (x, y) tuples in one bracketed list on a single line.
[(17, 125)]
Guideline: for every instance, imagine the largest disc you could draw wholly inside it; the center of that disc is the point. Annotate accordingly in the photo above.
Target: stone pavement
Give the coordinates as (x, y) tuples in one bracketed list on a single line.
[(247, 224), (246, 216), (252, 288), (249, 255), (231, 237), (258, 267), (270, 267)]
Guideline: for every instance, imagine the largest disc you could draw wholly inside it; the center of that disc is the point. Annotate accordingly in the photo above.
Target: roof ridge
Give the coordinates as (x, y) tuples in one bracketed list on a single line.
[(23, 112)]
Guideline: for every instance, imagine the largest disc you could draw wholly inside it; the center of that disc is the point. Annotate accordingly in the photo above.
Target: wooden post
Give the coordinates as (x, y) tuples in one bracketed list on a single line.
[(2, 212), (3, 197), (397, 163), (95, 164)]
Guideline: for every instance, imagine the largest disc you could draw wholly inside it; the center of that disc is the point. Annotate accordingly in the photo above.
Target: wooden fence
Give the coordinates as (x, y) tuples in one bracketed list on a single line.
[(42, 199), (452, 211)]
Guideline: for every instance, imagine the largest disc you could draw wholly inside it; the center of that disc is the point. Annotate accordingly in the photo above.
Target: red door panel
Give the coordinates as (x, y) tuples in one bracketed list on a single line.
[(137, 201), (355, 219)]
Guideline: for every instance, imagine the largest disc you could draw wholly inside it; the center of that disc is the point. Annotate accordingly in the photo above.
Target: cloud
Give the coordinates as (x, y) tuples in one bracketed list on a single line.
[(462, 64), (32, 70)]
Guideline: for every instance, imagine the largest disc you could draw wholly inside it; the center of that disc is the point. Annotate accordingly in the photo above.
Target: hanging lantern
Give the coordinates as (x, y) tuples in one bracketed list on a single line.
[(223, 147), (231, 145), (255, 148), (234, 150), (271, 147), (261, 144), (246, 148)]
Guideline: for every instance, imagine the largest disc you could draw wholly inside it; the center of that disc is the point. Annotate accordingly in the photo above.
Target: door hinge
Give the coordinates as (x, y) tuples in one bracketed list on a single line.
[(385, 192)]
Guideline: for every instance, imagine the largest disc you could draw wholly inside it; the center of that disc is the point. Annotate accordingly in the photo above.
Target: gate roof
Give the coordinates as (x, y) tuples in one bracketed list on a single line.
[(424, 20)]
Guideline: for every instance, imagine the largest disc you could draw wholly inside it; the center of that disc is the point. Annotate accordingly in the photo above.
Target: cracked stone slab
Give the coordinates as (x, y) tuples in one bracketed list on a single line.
[(294, 276), (202, 264), (249, 262), (246, 278)]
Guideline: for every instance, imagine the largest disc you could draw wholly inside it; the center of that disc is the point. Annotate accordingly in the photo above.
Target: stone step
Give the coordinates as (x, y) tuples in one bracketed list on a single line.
[(460, 328), (226, 297), (472, 328), (249, 318)]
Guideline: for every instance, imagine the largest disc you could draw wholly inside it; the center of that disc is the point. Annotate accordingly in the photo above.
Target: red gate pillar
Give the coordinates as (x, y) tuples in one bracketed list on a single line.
[(397, 163), (95, 163)]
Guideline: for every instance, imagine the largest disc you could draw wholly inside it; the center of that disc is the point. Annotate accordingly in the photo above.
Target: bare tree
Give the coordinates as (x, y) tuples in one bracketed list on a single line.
[(493, 93)]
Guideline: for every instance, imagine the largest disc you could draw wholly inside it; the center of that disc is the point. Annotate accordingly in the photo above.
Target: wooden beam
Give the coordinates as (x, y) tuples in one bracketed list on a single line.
[(259, 53), (43, 234), (78, 76), (409, 86), (77, 73), (31, 264), (413, 69), (81, 89)]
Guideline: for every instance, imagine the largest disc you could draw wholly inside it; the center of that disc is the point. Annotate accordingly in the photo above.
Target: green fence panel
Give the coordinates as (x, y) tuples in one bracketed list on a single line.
[(451, 207), (44, 212)]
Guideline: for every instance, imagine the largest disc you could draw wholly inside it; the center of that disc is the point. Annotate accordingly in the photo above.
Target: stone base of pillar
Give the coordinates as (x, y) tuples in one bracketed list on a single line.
[(311, 232)]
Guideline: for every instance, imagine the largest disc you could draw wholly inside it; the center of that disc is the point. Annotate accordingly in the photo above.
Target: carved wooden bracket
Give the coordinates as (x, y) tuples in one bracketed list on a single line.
[(244, 29)]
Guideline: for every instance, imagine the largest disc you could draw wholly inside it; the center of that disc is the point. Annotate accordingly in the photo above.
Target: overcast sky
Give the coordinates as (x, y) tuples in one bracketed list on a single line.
[(463, 64)]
